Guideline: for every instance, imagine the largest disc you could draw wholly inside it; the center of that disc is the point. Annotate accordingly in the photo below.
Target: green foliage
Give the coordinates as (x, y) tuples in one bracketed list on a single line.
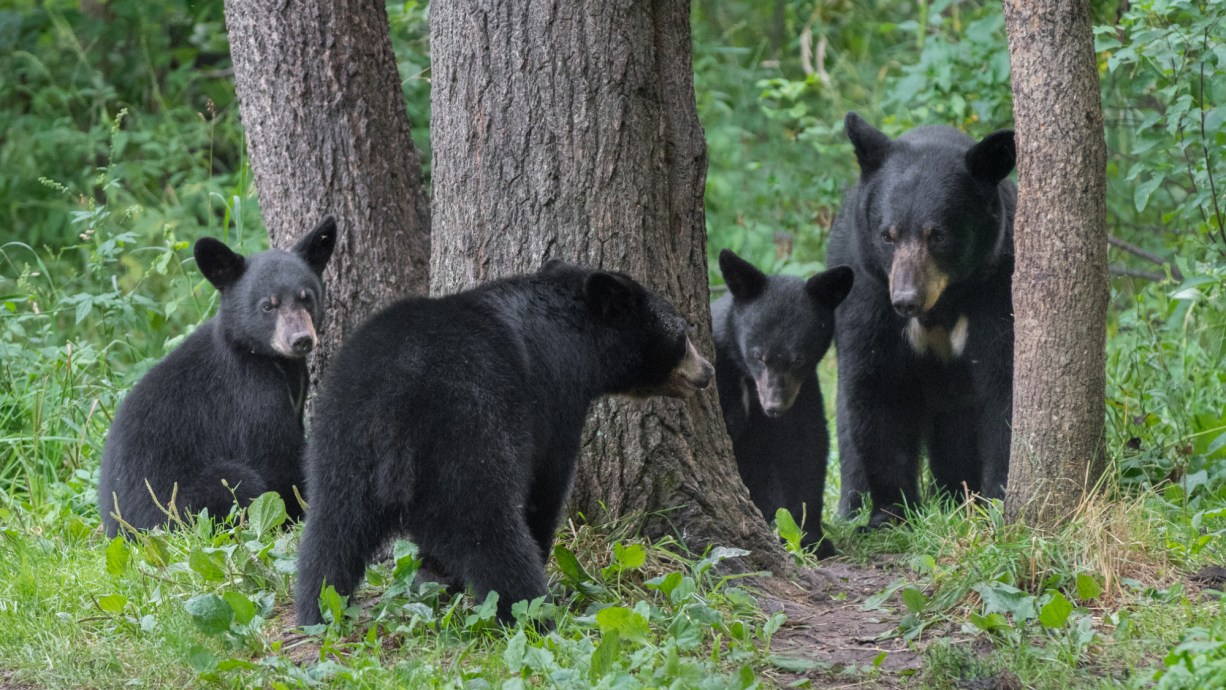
[(1165, 94), (1198, 661)]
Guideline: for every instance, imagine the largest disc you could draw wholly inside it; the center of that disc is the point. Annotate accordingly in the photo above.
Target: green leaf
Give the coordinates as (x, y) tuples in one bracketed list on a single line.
[(201, 660), (112, 603), (1088, 588), (990, 623), (332, 602), (1002, 598), (517, 649), (117, 554), (1055, 612), (210, 566), (665, 583), (772, 625), (786, 525), (155, 550), (717, 555), (267, 512), (628, 624), (605, 654), (573, 572), (795, 664), (486, 611), (244, 609), (210, 613), (629, 557), (914, 600), (875, 602), (83, 308), (1142, 192), (684, 590)]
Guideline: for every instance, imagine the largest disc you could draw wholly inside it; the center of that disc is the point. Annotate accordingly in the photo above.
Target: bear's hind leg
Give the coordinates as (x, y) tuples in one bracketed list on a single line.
[(494, 551), (339, 538)]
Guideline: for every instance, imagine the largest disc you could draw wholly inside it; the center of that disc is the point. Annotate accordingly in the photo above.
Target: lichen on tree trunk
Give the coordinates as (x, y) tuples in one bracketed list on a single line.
[(569, 130), (1060, 288), (327, 132)]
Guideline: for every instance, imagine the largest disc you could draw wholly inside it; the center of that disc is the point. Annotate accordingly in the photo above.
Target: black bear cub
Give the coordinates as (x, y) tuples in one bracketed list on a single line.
[(226, 405), (457, 420), (925, 340), (770, 333)]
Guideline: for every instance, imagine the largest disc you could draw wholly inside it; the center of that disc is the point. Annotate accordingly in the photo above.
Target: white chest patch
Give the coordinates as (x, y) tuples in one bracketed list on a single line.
[(936, 341)]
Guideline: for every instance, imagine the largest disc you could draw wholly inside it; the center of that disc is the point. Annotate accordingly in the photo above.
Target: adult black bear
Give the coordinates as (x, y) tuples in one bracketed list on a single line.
[(226, 405), (770, 333), (457, 421), (925, 340)]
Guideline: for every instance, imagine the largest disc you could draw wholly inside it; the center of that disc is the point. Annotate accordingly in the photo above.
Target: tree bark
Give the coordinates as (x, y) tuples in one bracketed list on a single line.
[(1060, 288), (327, 132), (569, 130)]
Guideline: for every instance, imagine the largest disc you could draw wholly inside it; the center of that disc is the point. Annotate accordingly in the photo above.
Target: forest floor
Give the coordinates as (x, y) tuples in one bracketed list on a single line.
[(850, 643)]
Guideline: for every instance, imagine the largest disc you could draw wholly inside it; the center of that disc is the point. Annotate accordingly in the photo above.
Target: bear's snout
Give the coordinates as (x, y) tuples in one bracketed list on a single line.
[(694, 372), (294, 334), (916, 282)]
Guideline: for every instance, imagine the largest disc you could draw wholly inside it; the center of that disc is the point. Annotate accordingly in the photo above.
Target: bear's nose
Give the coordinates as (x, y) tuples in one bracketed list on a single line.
[(906, 303), (303, 344)]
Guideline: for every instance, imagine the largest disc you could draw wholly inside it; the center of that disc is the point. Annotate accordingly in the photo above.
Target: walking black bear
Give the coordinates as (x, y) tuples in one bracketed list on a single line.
[(770, 333), (925, 340), (226, 405), (457, 421)]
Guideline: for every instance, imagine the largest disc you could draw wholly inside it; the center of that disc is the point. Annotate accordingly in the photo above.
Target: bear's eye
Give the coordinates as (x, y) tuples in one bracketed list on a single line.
[(936, 237), (267, 306), (887, 237)]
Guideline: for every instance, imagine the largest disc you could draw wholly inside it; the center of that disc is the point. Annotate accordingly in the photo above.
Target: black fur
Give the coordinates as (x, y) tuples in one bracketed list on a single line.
[(937, 189), (457, 421), (770, 333), (226, 405)]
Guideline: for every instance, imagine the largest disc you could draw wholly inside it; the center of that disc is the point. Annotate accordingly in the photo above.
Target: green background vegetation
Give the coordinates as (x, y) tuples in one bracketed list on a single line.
[(122, 145)]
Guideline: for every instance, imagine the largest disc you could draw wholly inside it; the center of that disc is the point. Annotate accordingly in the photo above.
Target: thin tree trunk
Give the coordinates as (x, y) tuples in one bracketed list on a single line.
[(1060, 289), (328, 132), (569, 130)]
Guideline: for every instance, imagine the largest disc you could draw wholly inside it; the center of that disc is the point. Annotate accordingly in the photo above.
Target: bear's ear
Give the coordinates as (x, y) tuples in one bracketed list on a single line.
[(992, 159), (316, 248), (221, 266), (613, 298), (552, 265), (872, 145), (744, 280), (830, 287)]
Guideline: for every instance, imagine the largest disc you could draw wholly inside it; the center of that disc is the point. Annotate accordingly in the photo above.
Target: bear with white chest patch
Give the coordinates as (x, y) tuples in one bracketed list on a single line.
[(925, 339)]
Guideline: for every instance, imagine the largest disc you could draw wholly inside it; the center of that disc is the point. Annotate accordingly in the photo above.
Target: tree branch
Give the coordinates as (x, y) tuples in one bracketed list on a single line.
[(1144, 254)]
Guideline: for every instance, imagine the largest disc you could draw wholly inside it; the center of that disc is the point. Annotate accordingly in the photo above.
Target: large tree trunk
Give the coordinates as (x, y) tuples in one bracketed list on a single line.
[(1060, 287), (328, 132), (569, 130)]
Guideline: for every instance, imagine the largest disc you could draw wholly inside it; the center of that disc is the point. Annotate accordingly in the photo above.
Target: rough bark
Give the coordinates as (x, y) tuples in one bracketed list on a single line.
[(328, 132), (1060, 288), (569, 130)]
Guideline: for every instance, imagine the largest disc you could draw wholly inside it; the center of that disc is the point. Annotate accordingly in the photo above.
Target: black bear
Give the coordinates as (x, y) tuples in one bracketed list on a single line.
[(226, 405), (457, 421), (925, 340), (770, 333)]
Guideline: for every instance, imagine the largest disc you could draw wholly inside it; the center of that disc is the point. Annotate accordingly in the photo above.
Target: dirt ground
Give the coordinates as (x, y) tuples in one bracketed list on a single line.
[(827, 625)]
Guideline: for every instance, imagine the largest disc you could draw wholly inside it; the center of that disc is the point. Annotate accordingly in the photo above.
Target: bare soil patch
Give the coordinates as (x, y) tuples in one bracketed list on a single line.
[(827, 624)]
